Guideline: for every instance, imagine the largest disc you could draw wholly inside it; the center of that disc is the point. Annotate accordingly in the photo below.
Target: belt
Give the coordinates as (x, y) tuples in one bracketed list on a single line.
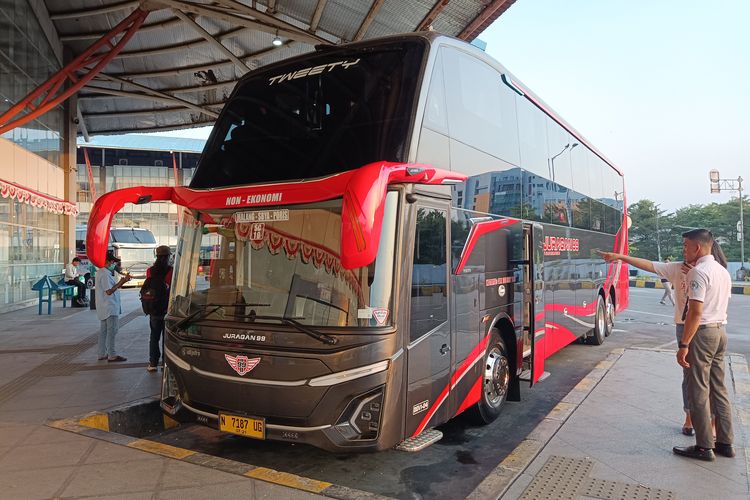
[(711, 325)]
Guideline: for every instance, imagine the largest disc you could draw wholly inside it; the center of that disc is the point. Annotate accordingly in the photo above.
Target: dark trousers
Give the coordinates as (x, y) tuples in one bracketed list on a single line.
[(706, 387), (81, 288), (157, 330)]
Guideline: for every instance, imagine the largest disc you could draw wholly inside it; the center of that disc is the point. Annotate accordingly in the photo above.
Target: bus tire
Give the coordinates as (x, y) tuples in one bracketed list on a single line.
[(600, 322), (496, 375), (609, 311)]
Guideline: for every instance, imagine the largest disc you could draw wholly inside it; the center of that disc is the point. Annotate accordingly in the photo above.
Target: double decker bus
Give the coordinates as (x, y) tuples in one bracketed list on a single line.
[(400, 232)]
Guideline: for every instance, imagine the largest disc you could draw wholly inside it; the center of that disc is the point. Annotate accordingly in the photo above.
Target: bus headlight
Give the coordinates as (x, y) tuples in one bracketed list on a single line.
[(170, 394), (361, 418)]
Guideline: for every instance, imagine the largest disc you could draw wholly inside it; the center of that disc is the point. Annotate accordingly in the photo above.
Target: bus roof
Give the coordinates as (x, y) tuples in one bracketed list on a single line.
[(434, 38)]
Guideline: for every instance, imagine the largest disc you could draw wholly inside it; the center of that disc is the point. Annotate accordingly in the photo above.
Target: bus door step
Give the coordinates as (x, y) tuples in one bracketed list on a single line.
[(420, 442), (526, 376)]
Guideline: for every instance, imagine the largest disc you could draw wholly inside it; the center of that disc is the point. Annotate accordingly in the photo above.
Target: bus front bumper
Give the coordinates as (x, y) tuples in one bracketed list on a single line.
[(343, 417)]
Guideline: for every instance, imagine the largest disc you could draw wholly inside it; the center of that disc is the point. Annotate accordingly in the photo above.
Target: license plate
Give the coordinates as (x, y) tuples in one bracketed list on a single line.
[(243, 426)]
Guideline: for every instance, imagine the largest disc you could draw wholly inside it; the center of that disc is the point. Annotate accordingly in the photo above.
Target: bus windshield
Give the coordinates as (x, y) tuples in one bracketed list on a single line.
[(131, 235), (282, 263), (330, 113)]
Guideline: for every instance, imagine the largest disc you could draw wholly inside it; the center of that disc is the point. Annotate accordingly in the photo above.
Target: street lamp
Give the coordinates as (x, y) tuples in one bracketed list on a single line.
[(718, 185), (658, 241), (552, 160)]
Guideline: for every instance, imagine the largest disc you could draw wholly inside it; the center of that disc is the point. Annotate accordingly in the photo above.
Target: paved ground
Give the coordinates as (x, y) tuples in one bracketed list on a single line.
[(615, 428), (40, 462), (618, 441)]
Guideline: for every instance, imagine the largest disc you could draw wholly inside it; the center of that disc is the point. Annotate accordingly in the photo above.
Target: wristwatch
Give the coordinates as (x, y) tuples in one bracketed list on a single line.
[(683, 346)]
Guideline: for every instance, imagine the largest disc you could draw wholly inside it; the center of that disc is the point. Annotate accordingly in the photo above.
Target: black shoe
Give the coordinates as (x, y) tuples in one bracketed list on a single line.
[(725, 450), (706, 454), (688, 431)]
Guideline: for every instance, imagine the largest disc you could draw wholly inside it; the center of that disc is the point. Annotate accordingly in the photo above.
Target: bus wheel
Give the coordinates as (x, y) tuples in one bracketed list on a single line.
[(600, 323), (609, 309), (495, 382)]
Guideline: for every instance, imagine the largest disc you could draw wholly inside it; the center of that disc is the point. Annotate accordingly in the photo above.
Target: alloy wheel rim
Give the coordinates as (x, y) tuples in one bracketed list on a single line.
[(496, 377)]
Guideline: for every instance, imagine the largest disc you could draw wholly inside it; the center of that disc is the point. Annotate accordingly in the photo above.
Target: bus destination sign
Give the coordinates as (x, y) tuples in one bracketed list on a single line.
[(262, 216)]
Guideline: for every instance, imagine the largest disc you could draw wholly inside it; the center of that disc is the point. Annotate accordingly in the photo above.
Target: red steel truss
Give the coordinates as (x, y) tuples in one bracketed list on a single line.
[(77, 71)]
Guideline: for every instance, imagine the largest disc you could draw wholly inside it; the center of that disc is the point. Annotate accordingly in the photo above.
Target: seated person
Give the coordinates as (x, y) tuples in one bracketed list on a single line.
[(73, 278)]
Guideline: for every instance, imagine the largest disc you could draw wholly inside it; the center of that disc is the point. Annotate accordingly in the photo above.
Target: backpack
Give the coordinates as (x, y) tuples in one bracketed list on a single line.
[(154, 295)]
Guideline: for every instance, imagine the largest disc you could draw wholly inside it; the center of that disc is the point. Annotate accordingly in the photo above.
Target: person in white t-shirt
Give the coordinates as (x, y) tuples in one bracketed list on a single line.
[(675, 273)]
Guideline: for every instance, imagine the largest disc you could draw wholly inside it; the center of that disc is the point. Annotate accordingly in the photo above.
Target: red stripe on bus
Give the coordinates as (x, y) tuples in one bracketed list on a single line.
[(555, 338), (478, 230), (475, 355), (472, 397)]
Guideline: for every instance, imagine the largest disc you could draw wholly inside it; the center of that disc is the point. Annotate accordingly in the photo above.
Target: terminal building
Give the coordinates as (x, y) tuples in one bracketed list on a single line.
[(115, 162)]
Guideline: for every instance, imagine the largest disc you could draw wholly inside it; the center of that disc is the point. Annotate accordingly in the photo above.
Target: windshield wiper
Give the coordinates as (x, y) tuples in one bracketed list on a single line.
[(197, 315), (326, 339)]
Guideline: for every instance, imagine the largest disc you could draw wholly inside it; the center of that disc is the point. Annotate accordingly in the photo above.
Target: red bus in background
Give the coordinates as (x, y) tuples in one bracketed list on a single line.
[(378, 237)]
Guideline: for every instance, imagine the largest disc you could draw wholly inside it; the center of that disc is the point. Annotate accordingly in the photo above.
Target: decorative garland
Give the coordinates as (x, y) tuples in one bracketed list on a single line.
[(319, 255), (54, 205)]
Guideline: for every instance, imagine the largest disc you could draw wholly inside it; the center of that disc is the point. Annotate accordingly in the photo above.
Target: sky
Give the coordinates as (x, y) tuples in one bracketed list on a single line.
[(662, 88)]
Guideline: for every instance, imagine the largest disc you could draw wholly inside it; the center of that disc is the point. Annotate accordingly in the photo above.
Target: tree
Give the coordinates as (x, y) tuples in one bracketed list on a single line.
[(643, 236), (720, 218)]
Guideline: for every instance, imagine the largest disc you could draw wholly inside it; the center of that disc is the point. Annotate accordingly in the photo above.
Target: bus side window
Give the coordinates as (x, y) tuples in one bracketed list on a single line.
[(429, 299)]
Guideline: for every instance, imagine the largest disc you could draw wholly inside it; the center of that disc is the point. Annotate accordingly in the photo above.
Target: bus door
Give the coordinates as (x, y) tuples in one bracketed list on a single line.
[(533, 300), (429, 343)]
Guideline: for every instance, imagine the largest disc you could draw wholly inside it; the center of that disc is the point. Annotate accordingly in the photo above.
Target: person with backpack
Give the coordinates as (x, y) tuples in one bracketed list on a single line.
[(155, 300)]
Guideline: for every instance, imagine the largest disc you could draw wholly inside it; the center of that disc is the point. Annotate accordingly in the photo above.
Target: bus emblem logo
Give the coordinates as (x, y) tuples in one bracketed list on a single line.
[(241, 364)]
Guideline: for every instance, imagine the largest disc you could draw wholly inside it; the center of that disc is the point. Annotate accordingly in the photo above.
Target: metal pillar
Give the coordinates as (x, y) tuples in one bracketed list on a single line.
[(76, 74)]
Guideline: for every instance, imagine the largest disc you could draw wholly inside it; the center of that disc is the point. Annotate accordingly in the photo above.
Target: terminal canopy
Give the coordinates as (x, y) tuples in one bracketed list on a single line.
[(179, 68)]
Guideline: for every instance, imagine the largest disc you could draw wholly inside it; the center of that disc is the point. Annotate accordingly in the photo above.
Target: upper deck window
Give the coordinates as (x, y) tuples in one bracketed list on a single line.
[(334, 111)]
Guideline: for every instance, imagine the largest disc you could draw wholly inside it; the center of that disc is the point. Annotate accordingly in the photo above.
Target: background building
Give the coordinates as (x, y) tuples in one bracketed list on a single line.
[(34, 214), (116, 162)]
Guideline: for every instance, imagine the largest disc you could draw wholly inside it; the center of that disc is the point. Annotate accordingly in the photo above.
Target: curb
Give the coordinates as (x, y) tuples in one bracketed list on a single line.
[(740, 378), (112, 425)]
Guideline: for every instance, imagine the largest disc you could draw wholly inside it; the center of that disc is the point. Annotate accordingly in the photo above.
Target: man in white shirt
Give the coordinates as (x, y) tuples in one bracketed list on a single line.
[(72, 277), (702, 348), (108, 307)]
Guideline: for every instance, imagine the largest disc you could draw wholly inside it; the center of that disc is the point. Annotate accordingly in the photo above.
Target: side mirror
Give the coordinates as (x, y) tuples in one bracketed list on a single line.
[(364, 198), (105, 208)]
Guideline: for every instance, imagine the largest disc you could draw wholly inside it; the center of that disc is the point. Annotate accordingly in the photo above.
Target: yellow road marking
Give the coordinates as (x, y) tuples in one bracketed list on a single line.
[(605, 364), (96, 421), (522, 454), (584, 384), (161, 449), (286, 479), (561, 409), (169, 422)]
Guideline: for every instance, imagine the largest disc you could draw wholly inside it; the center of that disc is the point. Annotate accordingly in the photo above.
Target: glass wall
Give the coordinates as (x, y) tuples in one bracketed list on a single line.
[(29, 248), (27, 61), (30, 237)]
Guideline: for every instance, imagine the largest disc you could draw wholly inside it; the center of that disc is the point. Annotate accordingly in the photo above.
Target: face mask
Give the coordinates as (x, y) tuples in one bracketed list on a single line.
[(112, 267)]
